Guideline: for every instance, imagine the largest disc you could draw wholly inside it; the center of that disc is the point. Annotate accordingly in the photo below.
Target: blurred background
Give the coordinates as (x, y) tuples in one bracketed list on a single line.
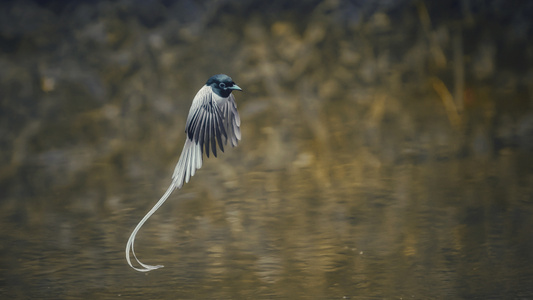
[(386, 149)]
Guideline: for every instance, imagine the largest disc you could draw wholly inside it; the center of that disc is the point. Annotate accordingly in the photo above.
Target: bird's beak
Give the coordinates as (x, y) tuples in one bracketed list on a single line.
[(235, 87)]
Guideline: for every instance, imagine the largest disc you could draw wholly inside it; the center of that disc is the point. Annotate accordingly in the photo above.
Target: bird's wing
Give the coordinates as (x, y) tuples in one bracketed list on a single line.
[(232, 121), (205, 123)]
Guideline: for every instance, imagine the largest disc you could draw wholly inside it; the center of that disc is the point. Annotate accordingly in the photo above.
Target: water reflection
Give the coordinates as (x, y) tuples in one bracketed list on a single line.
[(402, 230)]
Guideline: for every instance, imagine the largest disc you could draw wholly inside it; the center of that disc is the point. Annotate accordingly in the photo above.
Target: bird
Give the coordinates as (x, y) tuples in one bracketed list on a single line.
[(213, 120)]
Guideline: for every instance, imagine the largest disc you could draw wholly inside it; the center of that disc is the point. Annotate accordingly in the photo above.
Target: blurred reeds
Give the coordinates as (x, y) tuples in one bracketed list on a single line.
[(326, 83)]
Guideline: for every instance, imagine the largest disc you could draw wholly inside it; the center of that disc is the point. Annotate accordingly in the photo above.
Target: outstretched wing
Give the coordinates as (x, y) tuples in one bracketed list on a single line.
[(232, 121), (205, 123)]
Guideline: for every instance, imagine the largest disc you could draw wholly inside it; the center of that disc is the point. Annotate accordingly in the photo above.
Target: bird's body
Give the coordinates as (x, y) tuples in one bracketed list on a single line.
[(213, 120)]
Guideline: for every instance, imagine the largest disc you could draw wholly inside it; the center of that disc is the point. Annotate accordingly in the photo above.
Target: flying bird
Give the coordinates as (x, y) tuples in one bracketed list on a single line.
[(213, 120)]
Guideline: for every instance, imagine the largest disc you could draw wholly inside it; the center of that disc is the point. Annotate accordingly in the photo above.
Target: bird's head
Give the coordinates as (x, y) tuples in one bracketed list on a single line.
[(222, 85)]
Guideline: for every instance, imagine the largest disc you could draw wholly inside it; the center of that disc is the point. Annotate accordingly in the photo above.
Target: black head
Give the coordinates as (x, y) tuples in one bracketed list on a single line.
[(222, 85)]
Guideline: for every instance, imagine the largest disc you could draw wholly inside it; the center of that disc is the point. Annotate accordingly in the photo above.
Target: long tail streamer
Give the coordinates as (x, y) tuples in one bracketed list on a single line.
[(190, 160), (131, 240)]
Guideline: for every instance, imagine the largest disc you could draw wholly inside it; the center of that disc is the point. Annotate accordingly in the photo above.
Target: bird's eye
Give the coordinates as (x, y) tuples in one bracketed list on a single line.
[(222, 85)]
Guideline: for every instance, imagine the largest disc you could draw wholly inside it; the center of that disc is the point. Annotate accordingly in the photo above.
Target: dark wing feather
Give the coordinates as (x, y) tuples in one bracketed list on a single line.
[(212, 135), (220, 131), (207, 135)]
